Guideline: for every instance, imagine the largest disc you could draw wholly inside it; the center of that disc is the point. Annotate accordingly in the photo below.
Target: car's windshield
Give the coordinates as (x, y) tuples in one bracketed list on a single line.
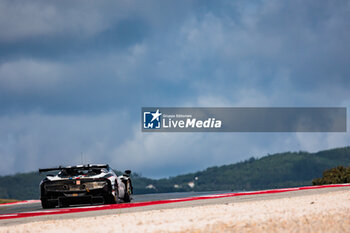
[(79, 172)]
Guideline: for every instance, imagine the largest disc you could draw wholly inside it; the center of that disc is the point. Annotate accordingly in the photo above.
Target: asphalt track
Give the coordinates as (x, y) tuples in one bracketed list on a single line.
[(34, 205), (27, 212)]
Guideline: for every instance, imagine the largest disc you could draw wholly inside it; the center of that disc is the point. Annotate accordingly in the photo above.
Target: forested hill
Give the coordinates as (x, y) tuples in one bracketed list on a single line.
[(272, 171)]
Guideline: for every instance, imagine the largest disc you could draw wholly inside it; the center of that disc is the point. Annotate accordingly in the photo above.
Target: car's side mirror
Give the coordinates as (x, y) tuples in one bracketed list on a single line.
[(50, 175)]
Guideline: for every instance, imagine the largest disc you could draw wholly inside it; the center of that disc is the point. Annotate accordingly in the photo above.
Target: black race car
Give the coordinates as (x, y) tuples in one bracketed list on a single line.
[(84, 184)]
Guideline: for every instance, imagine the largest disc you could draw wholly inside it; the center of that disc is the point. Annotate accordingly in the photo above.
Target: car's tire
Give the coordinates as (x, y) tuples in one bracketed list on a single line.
[(128, 191), (111, 199), (47, 204)]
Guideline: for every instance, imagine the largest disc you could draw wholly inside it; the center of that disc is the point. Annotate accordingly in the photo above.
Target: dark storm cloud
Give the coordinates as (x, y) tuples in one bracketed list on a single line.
[(118, 37), (217, 43), (88, 64)]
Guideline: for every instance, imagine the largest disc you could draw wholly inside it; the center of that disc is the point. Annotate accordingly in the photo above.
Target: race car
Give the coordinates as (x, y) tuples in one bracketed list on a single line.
[(84, 184)]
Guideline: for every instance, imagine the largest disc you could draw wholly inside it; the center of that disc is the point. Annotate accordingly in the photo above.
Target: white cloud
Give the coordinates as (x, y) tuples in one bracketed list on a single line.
[(30, 75), (314, 142)]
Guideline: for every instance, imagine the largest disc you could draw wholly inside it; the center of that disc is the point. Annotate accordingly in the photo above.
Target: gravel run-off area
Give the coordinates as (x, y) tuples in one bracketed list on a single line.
[(329, 212)]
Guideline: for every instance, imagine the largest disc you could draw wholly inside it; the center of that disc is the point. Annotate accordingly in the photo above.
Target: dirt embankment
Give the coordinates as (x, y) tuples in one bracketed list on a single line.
[(328, 212)]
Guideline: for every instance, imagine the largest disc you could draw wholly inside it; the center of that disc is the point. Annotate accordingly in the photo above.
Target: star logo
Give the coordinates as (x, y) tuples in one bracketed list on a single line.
[(152, 120), (156, 115)]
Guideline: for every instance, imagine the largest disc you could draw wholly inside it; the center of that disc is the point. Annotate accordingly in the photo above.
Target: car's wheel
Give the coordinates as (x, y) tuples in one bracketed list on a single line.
[(113, 199), (127, 195), (47, 204)]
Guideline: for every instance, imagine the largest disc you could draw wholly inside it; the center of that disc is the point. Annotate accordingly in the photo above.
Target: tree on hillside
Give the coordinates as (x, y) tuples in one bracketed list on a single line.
[(337, 175)]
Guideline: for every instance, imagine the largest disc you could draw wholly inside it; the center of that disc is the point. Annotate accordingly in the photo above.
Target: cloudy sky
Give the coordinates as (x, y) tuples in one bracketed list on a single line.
[(75, 74)]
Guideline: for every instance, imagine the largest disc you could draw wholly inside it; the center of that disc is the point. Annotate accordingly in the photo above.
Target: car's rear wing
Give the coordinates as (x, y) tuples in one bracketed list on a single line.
[(77, 167)]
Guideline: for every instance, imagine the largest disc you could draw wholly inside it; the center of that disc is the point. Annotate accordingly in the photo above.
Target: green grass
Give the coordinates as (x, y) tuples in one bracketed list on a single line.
[(2, 201)]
